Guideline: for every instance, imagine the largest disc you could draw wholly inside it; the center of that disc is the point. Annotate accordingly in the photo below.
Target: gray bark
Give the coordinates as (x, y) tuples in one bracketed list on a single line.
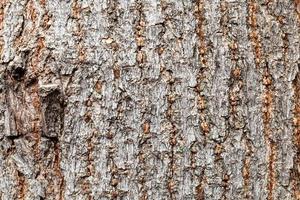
[(149, 99)]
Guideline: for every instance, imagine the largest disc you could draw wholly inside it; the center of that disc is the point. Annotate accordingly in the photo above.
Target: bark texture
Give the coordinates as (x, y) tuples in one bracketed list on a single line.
[(149, 99)]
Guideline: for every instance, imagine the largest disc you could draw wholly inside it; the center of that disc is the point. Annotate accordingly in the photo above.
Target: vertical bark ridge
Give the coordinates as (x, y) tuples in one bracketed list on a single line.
[(159, 87), (55, 186), (32, 92), (60, 182), (281, 28), (232, 98), (233, 29), (267, 99)]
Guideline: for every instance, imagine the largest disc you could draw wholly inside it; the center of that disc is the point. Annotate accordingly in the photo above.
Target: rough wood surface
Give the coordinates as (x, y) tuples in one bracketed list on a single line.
[(149, 99)]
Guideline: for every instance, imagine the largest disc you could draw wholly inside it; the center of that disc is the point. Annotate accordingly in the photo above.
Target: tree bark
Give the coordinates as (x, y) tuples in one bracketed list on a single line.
[(149, 99)]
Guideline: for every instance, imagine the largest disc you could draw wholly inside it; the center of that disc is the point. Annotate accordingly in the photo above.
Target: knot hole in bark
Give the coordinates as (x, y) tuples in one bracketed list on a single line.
[(53, 112), (18, 73)]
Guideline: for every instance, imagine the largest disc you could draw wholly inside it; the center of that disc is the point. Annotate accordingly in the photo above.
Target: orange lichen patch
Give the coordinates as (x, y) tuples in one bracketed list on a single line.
[(296, 122)]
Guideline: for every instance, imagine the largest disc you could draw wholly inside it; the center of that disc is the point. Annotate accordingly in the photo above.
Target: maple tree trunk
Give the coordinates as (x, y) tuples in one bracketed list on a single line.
[(149, 99)]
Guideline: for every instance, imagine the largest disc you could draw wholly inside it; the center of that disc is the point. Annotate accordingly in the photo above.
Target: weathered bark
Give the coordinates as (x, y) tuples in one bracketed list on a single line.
[(149, 99)]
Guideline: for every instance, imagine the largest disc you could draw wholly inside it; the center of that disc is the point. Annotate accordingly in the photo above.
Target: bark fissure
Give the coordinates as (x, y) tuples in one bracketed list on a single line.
[(201, 75), (22, 186), (139, 32), (267, 99)]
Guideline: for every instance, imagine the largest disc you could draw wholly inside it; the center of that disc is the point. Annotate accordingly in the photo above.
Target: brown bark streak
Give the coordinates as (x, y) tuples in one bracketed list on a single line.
[(139, 31), (201, 99), (267, 98), (79, 33), (22, 186), (171, 185)]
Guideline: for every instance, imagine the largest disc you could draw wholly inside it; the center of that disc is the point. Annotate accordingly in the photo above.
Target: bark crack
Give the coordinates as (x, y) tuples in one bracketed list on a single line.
[(201, 76), (267, 99)]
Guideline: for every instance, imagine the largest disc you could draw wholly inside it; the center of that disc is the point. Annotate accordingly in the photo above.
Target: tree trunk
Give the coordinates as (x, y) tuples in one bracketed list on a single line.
[(149, 99)]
